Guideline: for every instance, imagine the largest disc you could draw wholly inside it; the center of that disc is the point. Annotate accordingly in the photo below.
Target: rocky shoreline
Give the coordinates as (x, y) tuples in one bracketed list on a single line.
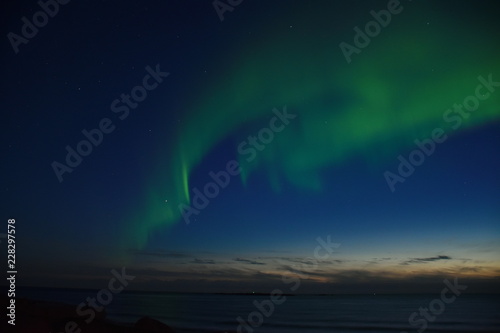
[(33, 316)]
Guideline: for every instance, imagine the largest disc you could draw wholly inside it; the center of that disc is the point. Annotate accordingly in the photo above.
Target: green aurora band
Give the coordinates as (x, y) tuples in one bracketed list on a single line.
[(395, 91)]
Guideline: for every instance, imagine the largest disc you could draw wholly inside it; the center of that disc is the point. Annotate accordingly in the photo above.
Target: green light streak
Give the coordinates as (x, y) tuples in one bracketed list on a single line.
[(392, 93)]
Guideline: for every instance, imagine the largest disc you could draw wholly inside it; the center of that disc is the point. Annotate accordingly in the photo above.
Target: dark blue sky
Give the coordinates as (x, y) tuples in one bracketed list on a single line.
[(321, 175)]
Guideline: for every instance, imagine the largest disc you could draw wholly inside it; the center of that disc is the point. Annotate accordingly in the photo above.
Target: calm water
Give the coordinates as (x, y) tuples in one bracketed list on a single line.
[(315, 314)]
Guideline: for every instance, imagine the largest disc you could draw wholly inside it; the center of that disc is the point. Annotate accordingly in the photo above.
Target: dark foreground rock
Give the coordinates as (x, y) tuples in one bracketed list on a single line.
[(149, 325), (52, 317)]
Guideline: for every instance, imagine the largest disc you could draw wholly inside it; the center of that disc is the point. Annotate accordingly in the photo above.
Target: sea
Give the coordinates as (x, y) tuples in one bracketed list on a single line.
[(252, 313)]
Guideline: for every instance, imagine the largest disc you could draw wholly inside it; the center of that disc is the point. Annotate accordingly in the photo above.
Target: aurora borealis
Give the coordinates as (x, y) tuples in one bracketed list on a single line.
[(320, 174), (382, 101)]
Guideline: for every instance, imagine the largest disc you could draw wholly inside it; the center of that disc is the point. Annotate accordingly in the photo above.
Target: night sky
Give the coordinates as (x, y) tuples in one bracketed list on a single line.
[(313, 135)]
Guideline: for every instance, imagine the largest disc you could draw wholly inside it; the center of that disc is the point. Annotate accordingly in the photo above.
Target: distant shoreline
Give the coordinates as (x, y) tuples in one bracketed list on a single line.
[(92, 290)]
